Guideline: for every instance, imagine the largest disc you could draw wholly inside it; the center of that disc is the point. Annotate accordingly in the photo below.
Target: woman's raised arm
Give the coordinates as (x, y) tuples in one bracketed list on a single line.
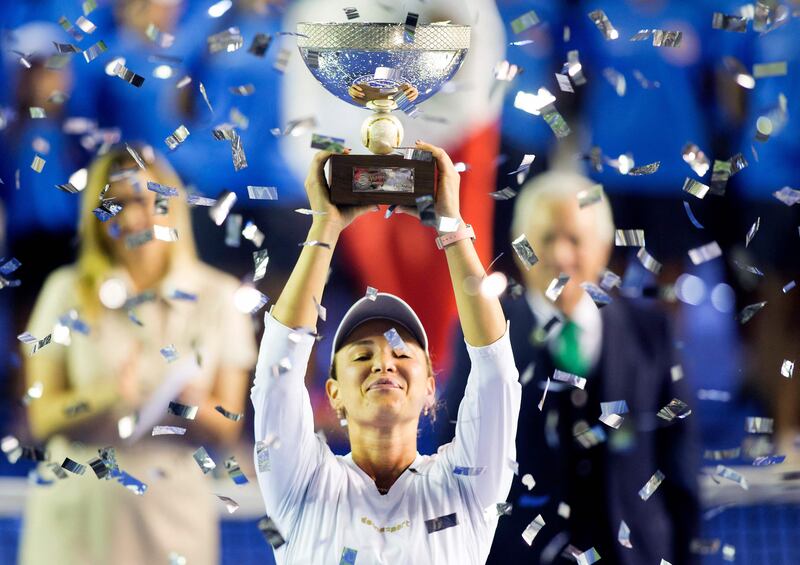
[(481, 317), (295, 307)]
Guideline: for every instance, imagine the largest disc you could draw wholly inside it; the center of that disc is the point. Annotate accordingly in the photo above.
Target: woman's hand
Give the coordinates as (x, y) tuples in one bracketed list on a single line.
[(319, 197), (410, 91), (446, 200)]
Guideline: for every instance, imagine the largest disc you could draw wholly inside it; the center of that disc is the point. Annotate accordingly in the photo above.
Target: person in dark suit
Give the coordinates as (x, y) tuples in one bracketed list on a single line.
[(586, 474)]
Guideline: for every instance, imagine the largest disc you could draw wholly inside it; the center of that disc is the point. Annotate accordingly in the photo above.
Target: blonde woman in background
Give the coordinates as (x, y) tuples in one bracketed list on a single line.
[(91, 382)]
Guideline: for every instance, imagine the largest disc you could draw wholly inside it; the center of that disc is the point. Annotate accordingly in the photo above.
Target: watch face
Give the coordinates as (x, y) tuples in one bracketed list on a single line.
[(383, 179)]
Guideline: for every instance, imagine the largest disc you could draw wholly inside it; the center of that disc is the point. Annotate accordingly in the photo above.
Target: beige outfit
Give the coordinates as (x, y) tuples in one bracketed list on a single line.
[(85, 520)]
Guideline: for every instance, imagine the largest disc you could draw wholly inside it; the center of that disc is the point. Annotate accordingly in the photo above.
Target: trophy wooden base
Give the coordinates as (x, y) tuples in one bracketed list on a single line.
[(379, 179)]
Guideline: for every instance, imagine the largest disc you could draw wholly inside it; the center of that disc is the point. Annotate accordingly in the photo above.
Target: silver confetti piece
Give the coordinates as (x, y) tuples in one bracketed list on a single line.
[(768, 460), (662, 38), (731, 475), (506, 193), (524, 164), (233, 228), (532, 529), (788, 286), (85, 25), (177, 137), (611, 420), (695, 188), (169, 353), (544, 393), (789, 196), (282, 59), (260, 44), (468, 471), (351, 13), (524, 251), (563, 83), (243, 90), (159, 37), (441, 523), (704, 253), (234, 472), (38, 163), (604, 25), (597, 294), (555, 121), (588, 557), (73, 466), (165, 233), (728, 552), (692, 218), (751, 233), (616, 79), (222, 207), (652, 484), (719, 454), (127, 75), (648, 261), (758, 425), (161, 189), (135, 155), (728, 23), (260, 261), (764, 70), (720, 174), (168, 430), (629, 238), (95, 51), (642, 35), (614, 407), (228, 41), (251, 233), (590, 196), (308, 212), (270, 532), (239, 159), (37, 112), (230, 504), (233, 416), (528, 481), (787, 368), (182, 410), (348, 556), (573, 68), (525, 21), (69, 28), (569, 378), (556, 286), (448, 224), (204, 460), (738, 162), (396, 342), (372, 293), (262, 192), (645, 169), (675, 409), (314, 243), (410, 28)]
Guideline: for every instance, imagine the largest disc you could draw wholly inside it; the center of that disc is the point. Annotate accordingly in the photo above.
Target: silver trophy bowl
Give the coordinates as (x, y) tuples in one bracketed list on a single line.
[(383, 67)]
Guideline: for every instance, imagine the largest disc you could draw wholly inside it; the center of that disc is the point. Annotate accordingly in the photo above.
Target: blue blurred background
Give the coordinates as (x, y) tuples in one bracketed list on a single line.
[(700, 93)]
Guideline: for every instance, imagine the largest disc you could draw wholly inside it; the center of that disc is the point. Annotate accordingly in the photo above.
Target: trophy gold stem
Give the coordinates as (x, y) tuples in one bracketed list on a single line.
[(381, 132)]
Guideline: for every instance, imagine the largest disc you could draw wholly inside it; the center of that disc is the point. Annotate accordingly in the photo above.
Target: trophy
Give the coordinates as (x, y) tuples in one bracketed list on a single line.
[(382, 67)]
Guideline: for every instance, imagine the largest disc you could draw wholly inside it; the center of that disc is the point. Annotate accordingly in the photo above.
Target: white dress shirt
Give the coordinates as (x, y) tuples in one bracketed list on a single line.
[(324, 505), (586, 316)]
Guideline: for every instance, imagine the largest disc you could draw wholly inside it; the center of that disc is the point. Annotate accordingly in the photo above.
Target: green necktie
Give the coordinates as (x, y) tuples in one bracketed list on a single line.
[(567, 355)]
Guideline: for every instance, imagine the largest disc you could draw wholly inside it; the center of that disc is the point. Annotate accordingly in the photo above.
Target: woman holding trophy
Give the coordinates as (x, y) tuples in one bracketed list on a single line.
[(383, 502)]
